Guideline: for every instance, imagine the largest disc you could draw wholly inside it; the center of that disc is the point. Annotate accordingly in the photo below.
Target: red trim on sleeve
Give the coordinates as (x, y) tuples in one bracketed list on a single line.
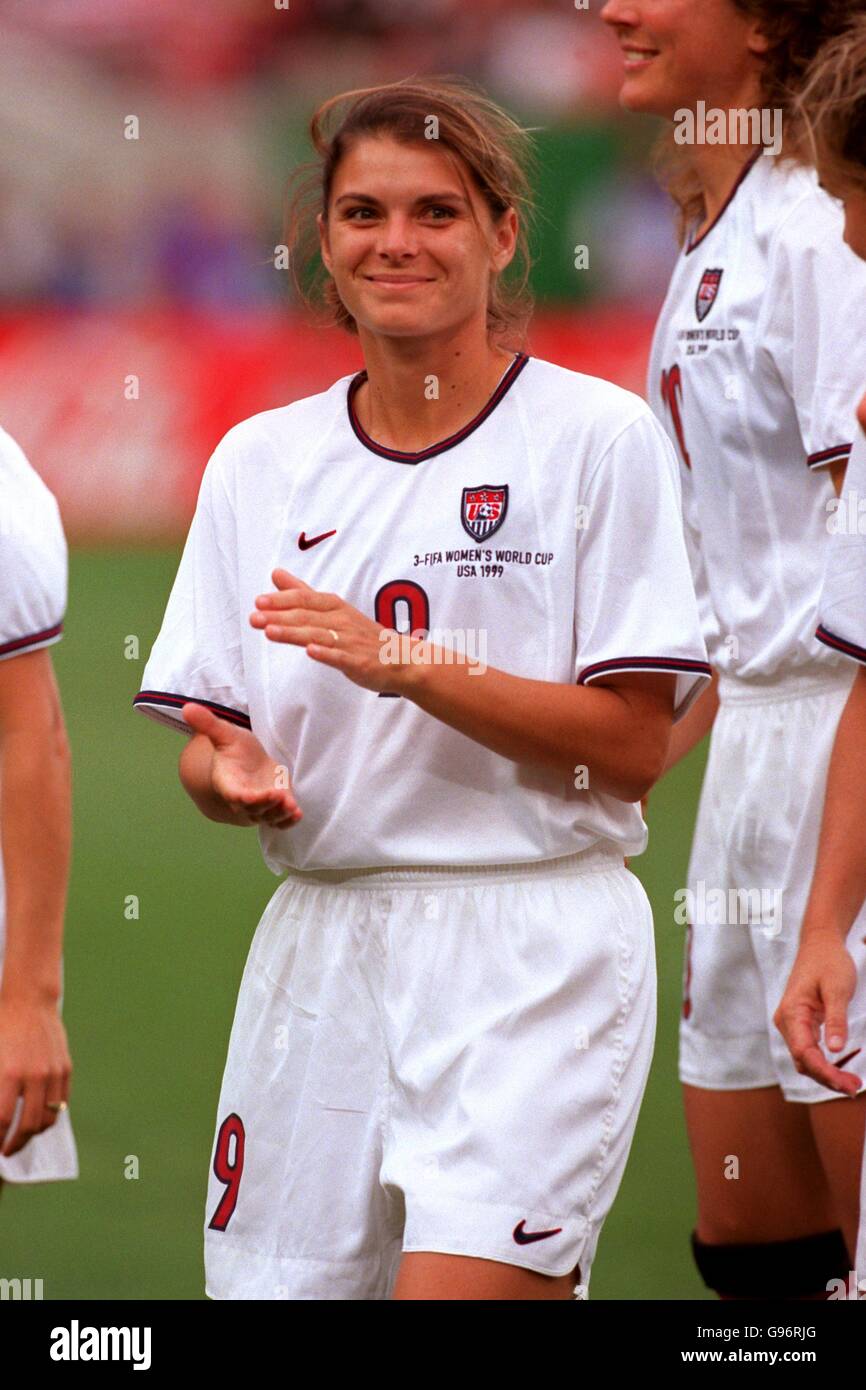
[(839, 644), (674, 664), (163, 699), (35, 639), (842, 452)]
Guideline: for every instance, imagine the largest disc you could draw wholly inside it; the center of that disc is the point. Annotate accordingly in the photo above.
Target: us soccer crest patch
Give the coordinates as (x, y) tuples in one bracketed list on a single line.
[(483, 509), (708, 291)]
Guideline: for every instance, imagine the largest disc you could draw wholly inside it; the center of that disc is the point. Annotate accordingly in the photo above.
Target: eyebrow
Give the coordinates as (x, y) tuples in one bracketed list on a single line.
[(425, 198)]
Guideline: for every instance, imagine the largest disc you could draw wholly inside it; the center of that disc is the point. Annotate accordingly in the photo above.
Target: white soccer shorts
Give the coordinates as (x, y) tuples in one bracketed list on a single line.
[(433, 1058), (749, 877)]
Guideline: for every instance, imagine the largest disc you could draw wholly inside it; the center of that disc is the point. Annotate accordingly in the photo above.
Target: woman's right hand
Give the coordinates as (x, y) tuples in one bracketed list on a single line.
[(251, 785)]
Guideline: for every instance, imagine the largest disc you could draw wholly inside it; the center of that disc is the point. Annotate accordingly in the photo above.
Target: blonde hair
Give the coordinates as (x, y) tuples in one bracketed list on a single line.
[(796, 31), (831, 107), (496, 150)]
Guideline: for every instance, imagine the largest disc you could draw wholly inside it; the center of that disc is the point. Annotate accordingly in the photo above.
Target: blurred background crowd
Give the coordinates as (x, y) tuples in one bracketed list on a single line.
[(189, 212), (146, 151), (142, 316)]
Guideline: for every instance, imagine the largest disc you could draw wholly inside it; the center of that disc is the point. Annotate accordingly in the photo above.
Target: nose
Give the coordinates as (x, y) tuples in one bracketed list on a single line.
[(398, 236), (620, 12)]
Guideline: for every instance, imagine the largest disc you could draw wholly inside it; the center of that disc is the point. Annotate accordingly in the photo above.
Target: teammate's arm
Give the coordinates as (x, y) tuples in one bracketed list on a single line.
[(695, 724), (837, 475), (35, 836), (823, 978)]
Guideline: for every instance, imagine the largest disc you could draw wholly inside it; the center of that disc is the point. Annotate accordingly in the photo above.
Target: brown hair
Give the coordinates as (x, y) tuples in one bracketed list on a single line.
[(831, 107), (496, 150), (796, 30)]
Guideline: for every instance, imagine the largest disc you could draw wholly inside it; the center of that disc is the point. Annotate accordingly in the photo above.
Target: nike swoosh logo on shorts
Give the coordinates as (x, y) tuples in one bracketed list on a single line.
[(527, 1237), (305, 544)]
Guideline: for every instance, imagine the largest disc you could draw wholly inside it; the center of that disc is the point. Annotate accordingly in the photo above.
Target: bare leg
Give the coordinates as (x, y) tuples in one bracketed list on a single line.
[(839, 1127), (430, 1275), (759, 1173)]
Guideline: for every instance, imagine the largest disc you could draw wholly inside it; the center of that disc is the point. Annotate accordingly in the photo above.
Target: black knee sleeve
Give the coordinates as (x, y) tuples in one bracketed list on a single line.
[(774, 1269)]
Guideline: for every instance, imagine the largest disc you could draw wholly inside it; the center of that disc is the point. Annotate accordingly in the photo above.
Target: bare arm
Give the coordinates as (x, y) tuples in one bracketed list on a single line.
[(824, 977), (837, 473), (35, 824), (618, 730), (695, 725), (35, 837)]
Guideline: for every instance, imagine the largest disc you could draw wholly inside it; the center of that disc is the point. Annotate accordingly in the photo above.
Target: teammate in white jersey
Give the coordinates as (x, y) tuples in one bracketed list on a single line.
[(36, 1139), (757, 362), (832, 103), (446, 1019)]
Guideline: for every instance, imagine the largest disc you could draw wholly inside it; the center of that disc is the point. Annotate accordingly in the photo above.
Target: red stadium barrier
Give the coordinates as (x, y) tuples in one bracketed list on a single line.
[(119, 412)]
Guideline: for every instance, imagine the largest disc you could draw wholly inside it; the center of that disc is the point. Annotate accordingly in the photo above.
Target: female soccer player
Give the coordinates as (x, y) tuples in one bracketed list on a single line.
[(36, 1139), (824, 980), (757, 363), (416, 631)]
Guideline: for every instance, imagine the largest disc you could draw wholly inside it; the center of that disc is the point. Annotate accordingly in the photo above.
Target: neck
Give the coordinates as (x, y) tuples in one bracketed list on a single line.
[(419, 391), (718, 167)]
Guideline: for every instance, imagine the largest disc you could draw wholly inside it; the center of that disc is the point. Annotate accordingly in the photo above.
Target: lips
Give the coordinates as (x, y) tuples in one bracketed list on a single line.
[(637, 57), (397, 281)]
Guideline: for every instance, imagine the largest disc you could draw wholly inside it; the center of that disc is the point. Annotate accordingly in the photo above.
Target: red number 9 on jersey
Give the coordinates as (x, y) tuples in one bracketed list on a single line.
[(228, 1169)]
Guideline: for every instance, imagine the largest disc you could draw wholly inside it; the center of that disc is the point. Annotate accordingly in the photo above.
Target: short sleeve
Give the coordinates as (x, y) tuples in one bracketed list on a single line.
[(842, 610), (33, 561), (814, 309), (636, 608), (197, 654)]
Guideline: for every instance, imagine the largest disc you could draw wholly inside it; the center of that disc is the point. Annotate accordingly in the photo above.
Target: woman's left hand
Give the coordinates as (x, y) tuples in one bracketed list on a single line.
[(306, 617)]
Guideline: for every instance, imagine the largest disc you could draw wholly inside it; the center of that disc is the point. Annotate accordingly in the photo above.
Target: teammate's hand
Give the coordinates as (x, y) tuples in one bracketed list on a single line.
[(820, 988), (35, 1067), (306, 617), (242, 774)]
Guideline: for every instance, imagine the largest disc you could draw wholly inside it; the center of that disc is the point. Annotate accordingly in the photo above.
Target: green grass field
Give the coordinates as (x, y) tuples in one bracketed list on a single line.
[(149, 1002)]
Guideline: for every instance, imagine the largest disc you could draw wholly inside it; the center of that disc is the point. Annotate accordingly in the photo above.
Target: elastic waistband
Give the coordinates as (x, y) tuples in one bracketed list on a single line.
[(786, 685), (597, 858)]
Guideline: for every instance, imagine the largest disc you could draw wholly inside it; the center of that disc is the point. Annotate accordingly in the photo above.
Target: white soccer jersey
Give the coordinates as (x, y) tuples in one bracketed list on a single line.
[(757, 364), (549, 527), (33, 567), (842, 611)]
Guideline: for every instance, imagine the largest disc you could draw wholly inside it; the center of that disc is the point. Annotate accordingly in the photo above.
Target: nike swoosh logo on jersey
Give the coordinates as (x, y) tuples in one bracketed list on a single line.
[(305, 544), (527, 1237)]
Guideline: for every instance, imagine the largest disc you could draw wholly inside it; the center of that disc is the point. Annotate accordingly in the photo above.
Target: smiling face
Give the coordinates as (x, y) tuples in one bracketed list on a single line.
[(407, 257), (679, 52)]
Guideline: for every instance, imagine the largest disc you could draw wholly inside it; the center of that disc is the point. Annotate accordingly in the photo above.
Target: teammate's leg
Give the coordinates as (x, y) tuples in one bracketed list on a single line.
[(760, 1182), (429, 1275), (839, 1127)]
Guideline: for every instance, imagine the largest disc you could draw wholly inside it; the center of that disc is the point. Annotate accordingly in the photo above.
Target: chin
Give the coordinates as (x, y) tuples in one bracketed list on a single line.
[(642, 93)]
